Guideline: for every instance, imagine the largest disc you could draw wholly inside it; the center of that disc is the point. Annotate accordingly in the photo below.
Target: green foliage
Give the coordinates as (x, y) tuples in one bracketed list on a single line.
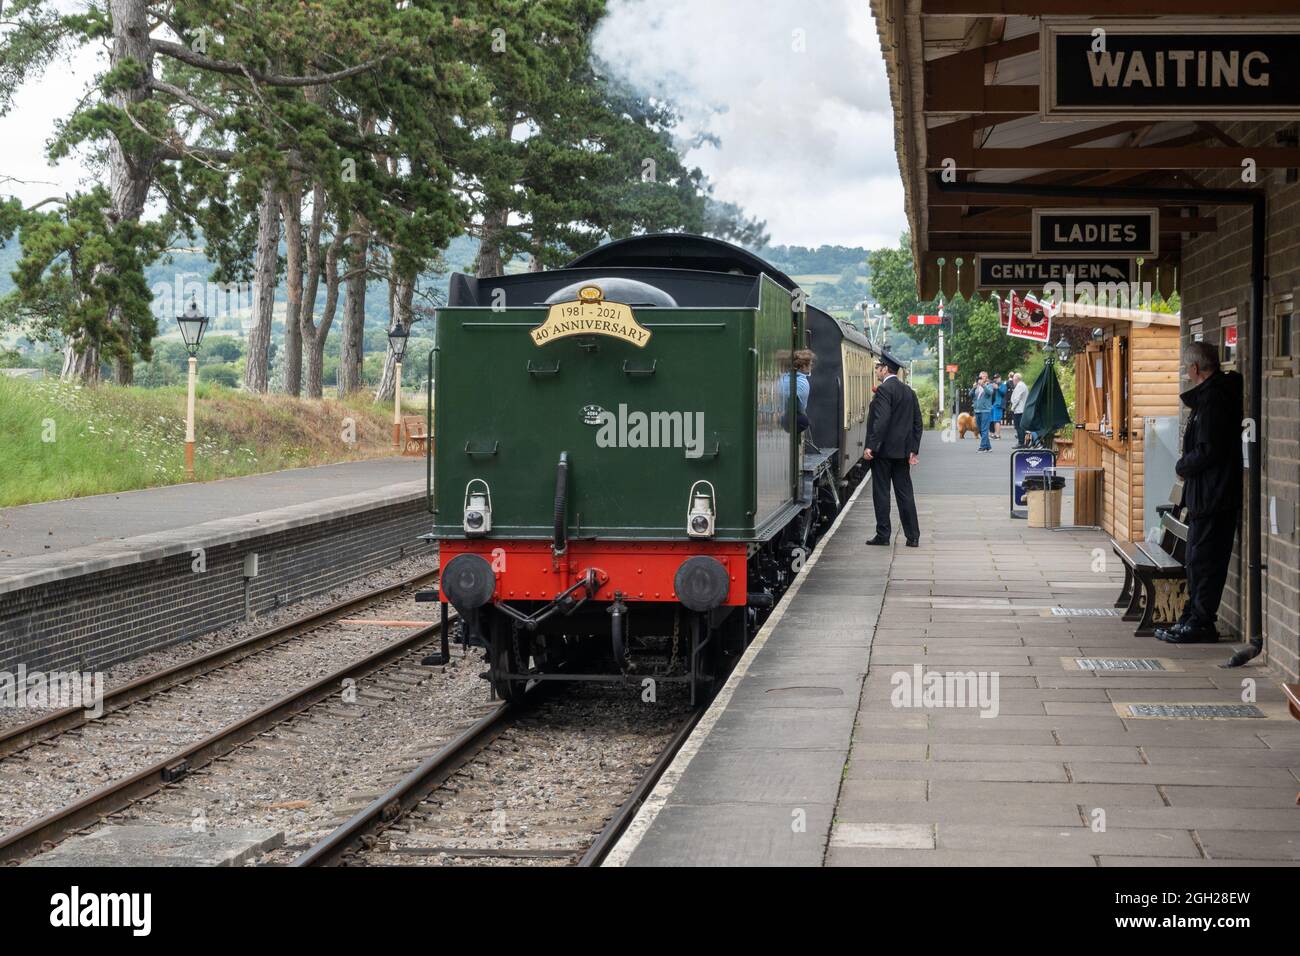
[(434, 116), (927, 393), (76, 268), (35, 34), (220, 373), (221, 348), (803, 260), (979, 344), (974, 340), (893, 285)]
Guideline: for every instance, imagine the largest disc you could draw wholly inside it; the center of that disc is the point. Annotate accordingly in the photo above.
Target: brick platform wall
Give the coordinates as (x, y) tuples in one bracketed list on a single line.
[(99, 619), (1216, 276)]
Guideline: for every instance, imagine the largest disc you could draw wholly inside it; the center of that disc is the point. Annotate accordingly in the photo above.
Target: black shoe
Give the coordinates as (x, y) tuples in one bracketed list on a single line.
[(878, 540), (1178, 628), (914, 542), (1189, 635)]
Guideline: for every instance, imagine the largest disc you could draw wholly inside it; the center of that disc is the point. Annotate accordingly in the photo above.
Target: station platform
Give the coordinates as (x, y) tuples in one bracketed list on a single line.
[(88, 582), (39, 529), (826, 746)]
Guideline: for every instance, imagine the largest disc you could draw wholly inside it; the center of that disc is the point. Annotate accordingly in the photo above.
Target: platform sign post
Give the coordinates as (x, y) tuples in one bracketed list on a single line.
[(942, 407), (398, 336), (936, 319), (397, 404), (192, 323), (189, 417), (1029, 461)]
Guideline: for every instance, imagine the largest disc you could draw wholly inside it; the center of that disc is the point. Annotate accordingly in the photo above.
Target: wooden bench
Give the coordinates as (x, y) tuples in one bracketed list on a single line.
[(417, 435), (1155, 576)]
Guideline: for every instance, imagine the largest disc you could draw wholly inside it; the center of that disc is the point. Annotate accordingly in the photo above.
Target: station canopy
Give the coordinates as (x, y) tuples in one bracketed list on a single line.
[(970, 101)]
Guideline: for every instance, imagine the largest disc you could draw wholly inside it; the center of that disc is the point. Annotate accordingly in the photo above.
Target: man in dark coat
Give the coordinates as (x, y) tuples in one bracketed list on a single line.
[(893, 443), (1211, 471)]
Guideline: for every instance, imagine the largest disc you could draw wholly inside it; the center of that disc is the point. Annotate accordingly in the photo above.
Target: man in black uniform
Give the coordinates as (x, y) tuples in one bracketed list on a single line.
[(1211, 471), (893, 443)]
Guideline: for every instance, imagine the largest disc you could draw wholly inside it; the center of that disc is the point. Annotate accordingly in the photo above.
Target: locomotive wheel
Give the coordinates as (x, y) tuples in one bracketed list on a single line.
[(504, 658)]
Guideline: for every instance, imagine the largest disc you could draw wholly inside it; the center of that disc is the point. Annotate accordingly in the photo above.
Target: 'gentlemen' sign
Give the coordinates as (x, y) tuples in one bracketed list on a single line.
[(1018, 271), (1095, 231), (1151, 69)]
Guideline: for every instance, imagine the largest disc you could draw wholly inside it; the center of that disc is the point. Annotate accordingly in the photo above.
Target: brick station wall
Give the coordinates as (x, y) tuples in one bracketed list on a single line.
[(99, 619), (1216, 276)]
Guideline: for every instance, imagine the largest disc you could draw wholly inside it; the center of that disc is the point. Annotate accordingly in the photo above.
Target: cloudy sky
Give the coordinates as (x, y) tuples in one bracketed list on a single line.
[(794, 90)]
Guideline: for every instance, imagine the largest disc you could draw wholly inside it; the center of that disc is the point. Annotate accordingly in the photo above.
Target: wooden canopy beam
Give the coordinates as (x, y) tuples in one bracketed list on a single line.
[(1018, 220), (955, 196), (1149, 157), (951, 139), (1104, 8), (947, 242)]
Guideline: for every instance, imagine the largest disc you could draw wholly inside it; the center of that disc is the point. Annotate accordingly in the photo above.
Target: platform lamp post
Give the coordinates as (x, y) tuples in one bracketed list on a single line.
[(398, 336), (193, 323)]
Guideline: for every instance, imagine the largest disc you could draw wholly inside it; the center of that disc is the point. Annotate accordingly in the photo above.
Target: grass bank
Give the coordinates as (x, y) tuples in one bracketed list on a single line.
[(59, 440)]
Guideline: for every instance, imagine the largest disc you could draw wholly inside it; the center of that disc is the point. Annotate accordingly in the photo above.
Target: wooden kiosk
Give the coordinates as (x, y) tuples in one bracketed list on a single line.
[(1128, 372)]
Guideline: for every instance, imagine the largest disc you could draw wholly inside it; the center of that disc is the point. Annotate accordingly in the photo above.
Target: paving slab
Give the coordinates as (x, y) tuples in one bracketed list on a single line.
[(1230, 796), (735, 835), (1077, 839), (855, 809), (143, 845), (857, 856), (1041, 794), (1258, 844), (796, 728)]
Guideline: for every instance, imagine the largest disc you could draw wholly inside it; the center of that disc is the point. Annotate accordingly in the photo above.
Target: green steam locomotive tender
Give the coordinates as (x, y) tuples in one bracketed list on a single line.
[(621, 487)]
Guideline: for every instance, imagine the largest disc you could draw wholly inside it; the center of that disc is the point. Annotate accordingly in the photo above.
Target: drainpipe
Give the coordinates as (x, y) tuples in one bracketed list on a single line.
[(1255, 199)]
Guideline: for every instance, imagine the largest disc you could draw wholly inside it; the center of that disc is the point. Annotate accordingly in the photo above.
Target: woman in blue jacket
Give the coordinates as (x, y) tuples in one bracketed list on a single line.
[(981, 396), (999, 400)]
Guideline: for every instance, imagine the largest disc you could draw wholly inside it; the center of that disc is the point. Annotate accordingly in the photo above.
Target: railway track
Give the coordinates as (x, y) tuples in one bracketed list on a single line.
[(91, 768), (513, 789)]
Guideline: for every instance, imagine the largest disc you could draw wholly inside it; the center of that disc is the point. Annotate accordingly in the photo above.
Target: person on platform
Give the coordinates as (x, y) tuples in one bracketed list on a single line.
[(802, 361), (999, 402), (1210, 467), (981, 396), (1019, 396), (893, 444)]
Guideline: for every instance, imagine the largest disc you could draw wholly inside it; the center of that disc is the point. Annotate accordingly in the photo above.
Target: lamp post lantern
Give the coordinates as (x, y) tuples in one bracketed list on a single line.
[(398, 336), (193, 323), (1063, 349)]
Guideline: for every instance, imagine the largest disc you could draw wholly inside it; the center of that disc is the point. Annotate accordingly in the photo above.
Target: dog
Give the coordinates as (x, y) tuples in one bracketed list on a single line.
[(966, 423)]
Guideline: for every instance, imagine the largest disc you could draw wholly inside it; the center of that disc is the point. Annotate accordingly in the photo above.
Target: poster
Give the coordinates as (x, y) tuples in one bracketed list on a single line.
[(1027, 461), (1028, 318)]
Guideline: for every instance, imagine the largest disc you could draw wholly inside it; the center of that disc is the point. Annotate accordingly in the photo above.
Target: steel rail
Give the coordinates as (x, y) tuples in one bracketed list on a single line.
[(119, 794), (70, 718), (624, 815), (411, 790)]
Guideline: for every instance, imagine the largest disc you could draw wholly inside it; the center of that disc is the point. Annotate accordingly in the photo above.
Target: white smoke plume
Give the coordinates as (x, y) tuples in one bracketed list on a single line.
[(796, 94)]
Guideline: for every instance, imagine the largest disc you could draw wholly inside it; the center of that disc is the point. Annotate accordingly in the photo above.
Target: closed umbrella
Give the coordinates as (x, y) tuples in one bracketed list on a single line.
[(1045, 409)]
